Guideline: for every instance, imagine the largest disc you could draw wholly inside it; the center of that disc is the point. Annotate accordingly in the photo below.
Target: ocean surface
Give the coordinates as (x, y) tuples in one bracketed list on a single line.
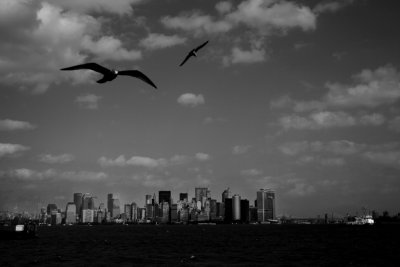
[(206, 245)]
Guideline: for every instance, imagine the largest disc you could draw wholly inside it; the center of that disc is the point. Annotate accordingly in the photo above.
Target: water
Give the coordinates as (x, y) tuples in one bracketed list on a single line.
[(206, 245)]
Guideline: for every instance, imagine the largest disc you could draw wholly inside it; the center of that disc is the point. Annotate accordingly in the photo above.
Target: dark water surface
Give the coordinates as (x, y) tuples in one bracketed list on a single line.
[(207, 245)]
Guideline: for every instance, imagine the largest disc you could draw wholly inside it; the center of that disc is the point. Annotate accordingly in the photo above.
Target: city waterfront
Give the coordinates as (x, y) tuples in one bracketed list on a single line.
[(210, 245)]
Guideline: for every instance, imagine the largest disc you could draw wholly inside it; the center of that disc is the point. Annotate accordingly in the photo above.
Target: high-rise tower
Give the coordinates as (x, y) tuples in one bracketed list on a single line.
[(226, 194), (78, 202), (265, 205)]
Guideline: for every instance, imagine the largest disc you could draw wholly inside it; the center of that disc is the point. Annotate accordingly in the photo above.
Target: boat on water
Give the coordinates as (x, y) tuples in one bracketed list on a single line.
[(362, 220), (18, 228)]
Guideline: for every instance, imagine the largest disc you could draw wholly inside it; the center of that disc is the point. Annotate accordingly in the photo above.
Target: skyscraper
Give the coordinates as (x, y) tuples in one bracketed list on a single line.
[(244, 211), (226, 194), (236, 208), (228, 210), (201, 194), (78, 202), (87, 201), (128, 212), (265, 205), (70, 213), (148, 199), (113, 205), (51, 208), (134, 212), (165, 197)]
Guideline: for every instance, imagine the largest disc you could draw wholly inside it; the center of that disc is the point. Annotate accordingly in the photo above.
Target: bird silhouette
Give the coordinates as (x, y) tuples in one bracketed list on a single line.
[(193, 53), (109, 75)]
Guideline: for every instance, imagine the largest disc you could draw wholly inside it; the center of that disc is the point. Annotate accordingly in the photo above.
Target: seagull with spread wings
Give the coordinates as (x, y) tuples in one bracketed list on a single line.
[(109, 75), (193, 53)]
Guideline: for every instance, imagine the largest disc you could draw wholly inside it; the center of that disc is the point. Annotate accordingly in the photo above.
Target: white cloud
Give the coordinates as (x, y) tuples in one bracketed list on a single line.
[(158, 41), (121, 7), (83, 176), (371, 88), (109, 48), (324, 161), (329, 119), (301, 189), (337, 147), (133, 161), (191, 100), (240, 149), (12, 149), (245, 56), (202, 156), (261, 17), (267, 14), (391, 158), (89, 101), (25, 174), (317, 120), (374, 88), (334, 153), (331, 6), (196, 23), (223, 7), (210, 120), (54, 159), (62, 37), (12, 125), (251, 172), (264, 15), (374, 119)]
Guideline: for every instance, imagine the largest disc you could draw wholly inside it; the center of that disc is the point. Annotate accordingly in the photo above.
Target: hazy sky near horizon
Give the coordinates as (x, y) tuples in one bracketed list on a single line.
[(298, 96)]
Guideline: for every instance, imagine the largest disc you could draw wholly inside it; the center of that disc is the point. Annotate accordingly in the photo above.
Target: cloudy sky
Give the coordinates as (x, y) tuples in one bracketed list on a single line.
[(298, 96)]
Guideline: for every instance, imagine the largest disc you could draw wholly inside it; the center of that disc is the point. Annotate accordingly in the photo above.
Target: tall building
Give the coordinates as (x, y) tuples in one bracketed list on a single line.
[(116, 208), (51, 208), (265, 205), (228, 210), (94, 203), (244, 211), (128, 212), (87, 201), (220, 210), (165, 210), (113, 205), (213, 209), (110, 202), (70, 213), (226, 194), (165, 197), (87, 216), (78, 202), (134, 212), (148, 199), (201, 194), (236, 215)]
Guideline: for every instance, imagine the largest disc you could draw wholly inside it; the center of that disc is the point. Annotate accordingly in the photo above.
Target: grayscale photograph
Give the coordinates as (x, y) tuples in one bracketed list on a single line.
[(199, 132)]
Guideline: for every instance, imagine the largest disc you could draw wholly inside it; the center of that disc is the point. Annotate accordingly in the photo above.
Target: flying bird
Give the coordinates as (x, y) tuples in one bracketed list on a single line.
[(193, 53), (109, 75)]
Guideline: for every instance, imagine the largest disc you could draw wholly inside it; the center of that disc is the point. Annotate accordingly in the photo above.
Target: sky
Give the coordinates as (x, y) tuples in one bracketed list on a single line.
[(298, 96)]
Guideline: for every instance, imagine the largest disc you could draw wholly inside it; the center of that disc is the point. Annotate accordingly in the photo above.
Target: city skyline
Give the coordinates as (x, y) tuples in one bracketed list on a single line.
[(298, 96)]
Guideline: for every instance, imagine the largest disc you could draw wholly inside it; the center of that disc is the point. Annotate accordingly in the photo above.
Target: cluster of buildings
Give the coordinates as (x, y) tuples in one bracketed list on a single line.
[(86, 208)]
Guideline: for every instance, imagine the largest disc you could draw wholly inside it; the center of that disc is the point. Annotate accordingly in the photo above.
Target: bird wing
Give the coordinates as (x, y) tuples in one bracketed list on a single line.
[(90, 66), (201, 46), (137, 74), (186, 59)]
